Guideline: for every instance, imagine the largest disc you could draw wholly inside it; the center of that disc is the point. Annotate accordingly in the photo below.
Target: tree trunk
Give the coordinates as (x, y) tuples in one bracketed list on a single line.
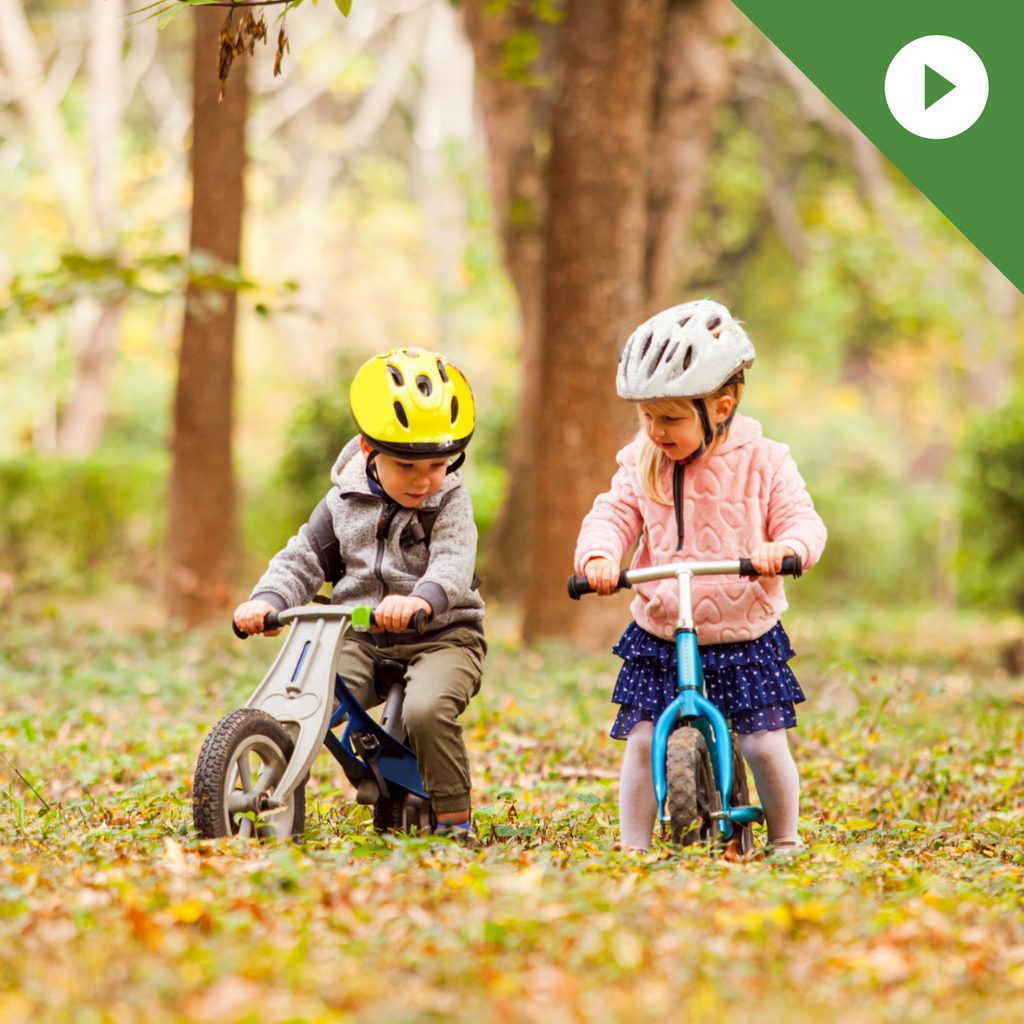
[(517, 121), (596, 240), (83, 419), (203, 531), (694, 81)]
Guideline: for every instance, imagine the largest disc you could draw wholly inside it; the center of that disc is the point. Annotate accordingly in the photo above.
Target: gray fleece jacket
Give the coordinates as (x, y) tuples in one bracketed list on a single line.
[(384, 553)]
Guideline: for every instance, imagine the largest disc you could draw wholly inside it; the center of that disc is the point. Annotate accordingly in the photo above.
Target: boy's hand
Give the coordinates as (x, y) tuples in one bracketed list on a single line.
[(249, 617), (603, 575), (395, 611), (767, 558)]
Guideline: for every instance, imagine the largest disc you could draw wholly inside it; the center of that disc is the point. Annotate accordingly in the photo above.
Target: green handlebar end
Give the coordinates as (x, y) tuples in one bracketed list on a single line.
[(362, 618)]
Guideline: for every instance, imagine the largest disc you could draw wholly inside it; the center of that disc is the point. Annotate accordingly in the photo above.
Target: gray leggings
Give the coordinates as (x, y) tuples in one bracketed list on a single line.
[(443, 676)]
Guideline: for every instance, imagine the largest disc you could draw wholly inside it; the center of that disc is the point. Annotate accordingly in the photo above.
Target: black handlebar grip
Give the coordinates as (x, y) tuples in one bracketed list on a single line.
[(580, 585), (418, 623), (791, 566), (270, 621)]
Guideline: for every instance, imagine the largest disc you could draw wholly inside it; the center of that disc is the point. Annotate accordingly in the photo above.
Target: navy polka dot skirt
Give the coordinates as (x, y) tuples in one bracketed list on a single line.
[(748, 681)]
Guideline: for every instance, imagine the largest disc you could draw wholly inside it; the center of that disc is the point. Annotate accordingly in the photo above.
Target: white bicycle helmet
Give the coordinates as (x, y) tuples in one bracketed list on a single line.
[(676, 355)]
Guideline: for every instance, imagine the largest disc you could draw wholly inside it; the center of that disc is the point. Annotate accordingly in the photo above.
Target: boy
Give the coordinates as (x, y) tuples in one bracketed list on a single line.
[(401, 525)]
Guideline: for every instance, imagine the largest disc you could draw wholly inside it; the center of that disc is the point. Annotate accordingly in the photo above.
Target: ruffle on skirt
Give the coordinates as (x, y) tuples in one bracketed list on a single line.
[(748, 681)]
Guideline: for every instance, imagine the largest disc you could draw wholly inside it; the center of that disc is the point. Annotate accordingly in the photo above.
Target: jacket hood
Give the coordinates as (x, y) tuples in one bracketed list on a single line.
[(349, 475)]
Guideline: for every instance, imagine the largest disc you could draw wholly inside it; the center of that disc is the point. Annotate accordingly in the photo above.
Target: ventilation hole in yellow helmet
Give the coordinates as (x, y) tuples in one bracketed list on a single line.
[(400, 413), (396, 375), (423, 383), (441, 371), (455, 408)]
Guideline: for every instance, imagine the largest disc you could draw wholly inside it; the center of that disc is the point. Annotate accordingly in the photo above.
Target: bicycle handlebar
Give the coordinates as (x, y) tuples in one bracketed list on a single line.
[(580, 585), (418, 623)]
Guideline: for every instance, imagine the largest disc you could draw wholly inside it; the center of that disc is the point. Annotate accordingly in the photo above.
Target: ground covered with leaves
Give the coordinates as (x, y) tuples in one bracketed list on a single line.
[(909, 907)]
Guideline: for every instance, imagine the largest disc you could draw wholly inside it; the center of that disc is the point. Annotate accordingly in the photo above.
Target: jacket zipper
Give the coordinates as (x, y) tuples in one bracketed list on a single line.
[(387, 516), (678, 484)]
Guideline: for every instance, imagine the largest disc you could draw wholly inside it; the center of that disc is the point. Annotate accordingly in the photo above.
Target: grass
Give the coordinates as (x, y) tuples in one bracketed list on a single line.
[(111, 910)]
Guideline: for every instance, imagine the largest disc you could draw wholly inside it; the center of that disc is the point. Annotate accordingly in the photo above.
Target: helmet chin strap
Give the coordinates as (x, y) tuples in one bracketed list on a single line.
[(452, 466), (710, 433)]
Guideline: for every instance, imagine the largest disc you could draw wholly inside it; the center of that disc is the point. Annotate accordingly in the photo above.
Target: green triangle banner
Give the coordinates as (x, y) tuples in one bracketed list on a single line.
[(937, 86)]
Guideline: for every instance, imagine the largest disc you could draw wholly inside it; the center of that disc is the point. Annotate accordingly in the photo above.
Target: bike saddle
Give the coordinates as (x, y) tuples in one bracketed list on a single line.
[(386, 674)]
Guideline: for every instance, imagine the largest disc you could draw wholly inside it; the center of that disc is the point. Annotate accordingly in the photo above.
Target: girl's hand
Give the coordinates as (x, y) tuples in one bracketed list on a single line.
[(249, 617), (603, 575), (767, 558), (395, 611)]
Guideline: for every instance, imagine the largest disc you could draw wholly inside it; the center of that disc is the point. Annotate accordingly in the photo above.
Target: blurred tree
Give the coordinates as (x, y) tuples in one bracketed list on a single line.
[(523, 70), (202, 535), (992, 499), (593, 295), (86, 191)]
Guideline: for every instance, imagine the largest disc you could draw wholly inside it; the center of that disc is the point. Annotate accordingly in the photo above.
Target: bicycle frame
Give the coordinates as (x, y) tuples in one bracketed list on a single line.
[(692, 706), (298, 690)]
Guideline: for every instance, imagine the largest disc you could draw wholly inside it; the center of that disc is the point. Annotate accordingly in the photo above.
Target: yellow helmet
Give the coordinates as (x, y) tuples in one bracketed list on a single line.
[(412, 403)]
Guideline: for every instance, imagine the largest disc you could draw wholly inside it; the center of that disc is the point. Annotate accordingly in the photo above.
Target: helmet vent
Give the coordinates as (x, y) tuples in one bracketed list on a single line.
[(713, 323), (688, 358), (684, 321), (396, 375), (441, 371), (423, 383), (400, 413), (647, 344), (455, 408), (660, 354)]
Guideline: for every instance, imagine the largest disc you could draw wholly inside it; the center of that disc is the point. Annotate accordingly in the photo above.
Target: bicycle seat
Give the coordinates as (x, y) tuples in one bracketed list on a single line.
[(386, 674)]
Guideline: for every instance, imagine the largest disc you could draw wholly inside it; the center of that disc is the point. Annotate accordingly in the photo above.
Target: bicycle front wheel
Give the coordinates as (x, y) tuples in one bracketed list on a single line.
[(244, 756), (692, 794)]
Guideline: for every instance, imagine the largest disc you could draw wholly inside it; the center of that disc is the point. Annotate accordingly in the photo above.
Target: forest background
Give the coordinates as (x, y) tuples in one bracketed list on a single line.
[(516, 184)]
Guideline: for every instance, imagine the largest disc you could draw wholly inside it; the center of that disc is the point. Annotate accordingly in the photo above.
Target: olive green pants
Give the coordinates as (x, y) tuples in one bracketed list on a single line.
[(443, 675)]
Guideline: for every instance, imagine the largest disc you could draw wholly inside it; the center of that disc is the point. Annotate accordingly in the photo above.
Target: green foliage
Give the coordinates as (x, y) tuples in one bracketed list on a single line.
[(116, 277), (320, 427), (79, 522), (992, 495)]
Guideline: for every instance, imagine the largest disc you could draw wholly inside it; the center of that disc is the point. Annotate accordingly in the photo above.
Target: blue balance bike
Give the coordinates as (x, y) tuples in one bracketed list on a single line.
[(251, 774), (700, 780)]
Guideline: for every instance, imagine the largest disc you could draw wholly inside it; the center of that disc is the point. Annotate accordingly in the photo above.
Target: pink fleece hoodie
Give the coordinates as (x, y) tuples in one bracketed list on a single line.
[(748, 490)]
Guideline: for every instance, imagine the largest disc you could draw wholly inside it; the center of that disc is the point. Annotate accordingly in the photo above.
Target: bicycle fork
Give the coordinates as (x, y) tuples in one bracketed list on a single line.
[(696, 710)]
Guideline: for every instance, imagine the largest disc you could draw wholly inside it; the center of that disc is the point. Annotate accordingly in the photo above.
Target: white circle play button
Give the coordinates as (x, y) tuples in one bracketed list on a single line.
[(936, 87)]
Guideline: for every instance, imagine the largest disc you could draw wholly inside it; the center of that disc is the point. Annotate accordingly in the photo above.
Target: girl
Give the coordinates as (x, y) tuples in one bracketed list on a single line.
[(700, 482)]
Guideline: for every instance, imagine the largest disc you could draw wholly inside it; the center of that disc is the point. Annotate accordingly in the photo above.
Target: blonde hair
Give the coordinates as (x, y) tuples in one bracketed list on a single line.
[(651, 461)]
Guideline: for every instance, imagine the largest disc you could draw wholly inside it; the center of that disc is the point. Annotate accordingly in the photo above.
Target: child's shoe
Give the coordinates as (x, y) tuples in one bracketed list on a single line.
[(460, 833), (786, 850)]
